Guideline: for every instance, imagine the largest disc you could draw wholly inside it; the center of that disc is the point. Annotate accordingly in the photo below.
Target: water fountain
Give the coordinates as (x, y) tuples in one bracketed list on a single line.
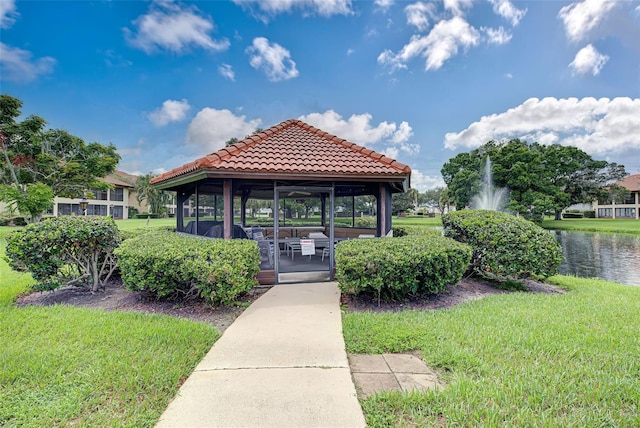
[(490, 197)]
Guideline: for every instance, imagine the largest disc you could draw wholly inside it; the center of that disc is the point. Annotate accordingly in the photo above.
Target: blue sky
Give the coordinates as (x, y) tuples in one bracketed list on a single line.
[(167, 82)]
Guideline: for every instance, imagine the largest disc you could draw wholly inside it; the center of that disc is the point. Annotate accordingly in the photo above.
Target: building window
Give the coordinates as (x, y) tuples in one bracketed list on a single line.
[(117, 212), (68, 209), (605, 212), (117, 194), (100, 195), (631, 199), (625, 213), (100, 210)]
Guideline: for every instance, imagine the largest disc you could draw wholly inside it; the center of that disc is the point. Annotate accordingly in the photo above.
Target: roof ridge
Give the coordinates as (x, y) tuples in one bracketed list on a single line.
[(253, 139)]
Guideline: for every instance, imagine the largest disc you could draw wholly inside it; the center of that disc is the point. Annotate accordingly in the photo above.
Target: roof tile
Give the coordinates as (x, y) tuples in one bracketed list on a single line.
[(293, 147)]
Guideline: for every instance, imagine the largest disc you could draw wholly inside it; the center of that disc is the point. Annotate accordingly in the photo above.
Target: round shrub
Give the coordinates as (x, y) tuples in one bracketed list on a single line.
[(396, 268), (173, 265), (503, 245), (67, 250)]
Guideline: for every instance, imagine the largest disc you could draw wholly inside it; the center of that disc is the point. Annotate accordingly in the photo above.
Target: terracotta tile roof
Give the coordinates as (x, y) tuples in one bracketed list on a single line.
[(121, 178), (631, 182), (293, 148)]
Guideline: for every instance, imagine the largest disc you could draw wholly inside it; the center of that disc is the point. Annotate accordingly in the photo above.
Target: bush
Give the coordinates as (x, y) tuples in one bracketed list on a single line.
[(399, 232), (504, 246), (68, 250), (366, 222), (170, 265), (589, 214), (395, 268), (568, 214)]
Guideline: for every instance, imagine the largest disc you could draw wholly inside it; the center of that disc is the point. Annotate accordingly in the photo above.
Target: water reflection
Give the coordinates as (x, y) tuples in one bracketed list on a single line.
[(611, 257)]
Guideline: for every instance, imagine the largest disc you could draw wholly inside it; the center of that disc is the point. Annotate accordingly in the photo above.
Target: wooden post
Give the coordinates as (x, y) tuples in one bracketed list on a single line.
[(384, 209), (227, 195)]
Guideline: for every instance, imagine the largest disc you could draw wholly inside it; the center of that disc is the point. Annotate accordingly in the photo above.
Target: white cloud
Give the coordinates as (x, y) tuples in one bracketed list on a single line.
[(391, 152), (588, 61), (508, 11), (173, 27), (597, 126), (457, 6), (359, 129), (580, 18), (7, 13), (350, 52), (171, 111), (442, 43), (17, 64), (308, 7), (383, 4), (273, 59), (226, 70), (403, 133), (418, 14), (211, 128), (422, 182), (496, 36)]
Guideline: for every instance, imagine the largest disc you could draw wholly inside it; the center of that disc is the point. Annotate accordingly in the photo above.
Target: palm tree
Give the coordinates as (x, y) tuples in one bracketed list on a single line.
[(156, 199)]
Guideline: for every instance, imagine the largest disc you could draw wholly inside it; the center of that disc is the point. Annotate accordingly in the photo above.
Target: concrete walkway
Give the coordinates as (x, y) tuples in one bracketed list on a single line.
[(282, 363)]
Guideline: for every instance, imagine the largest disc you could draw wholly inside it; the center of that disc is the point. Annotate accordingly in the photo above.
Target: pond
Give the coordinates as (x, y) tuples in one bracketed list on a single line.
[(611, 257)]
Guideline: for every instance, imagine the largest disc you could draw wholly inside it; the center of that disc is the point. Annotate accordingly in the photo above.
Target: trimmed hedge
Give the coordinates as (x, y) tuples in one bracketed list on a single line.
[(67, 250), (504, 246), (395, 268), (568, 214), (589, 214), (171, 265)]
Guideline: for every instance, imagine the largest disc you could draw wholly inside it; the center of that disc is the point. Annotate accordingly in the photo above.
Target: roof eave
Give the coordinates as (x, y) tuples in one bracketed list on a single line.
[(174, 183)]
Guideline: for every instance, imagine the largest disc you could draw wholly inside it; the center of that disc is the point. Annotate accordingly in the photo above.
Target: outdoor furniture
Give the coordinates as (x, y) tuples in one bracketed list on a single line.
[(292, 245)]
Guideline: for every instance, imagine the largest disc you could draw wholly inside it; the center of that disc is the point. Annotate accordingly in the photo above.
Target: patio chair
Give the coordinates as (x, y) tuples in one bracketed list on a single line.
[(266, 249), (325, 251)]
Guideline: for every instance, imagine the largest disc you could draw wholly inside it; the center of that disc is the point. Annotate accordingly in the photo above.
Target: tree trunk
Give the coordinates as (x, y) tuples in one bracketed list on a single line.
[(558, 215)]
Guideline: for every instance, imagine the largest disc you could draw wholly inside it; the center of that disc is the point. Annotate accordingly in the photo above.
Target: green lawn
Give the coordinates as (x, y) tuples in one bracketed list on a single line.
[(594, 225), (141, 223), (62, 366), (516, 359), (417, 221)]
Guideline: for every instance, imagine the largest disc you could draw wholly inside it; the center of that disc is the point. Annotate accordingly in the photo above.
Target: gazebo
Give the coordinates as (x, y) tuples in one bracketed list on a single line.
[(296, 163)]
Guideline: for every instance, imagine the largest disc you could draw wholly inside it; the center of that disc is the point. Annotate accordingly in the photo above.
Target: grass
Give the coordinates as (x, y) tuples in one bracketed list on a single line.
[(141, 223), (515, 360), (604, 225), (63, 365), (12, 283), (417, 220)]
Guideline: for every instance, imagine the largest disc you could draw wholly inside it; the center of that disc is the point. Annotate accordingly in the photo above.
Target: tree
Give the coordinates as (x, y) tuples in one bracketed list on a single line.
[(156, 199), (541, 179), (34, 200), (31, 154), (436, 197), (403, 202)]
